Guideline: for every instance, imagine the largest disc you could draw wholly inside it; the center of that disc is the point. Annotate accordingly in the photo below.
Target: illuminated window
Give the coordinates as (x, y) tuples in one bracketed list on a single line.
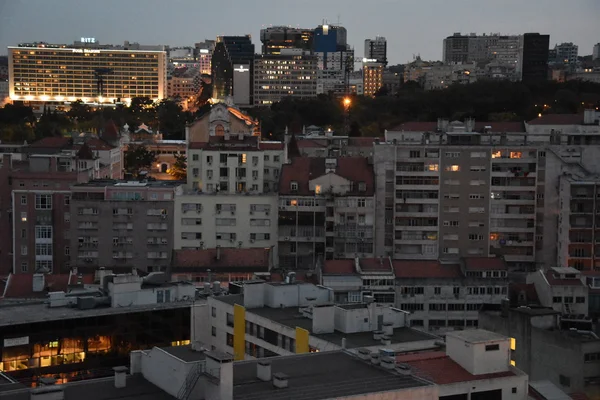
[(516, 154), (294, 202), (493, 236), (318, 189), (513, 363), (496, 154), (453, 168), (513, 344), (219, 130), (433, 167), (243, 158)]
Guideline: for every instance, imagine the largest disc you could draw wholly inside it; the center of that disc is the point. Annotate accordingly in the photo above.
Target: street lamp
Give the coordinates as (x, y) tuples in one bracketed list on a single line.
[(347, 102)]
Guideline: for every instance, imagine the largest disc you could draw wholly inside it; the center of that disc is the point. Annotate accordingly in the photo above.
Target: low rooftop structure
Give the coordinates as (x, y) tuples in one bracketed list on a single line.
[(220, 260)]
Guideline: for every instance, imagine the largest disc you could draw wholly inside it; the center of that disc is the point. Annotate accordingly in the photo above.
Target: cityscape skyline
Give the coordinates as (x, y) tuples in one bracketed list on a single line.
[(74, 19)]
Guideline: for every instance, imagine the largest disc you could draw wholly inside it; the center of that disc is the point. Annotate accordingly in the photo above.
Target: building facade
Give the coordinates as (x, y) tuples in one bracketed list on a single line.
[(276, 38), (533, 61), (372, 77), (104, 75), (279, 76), (376, 49), (108, 219), (229, 50), (325, 210)]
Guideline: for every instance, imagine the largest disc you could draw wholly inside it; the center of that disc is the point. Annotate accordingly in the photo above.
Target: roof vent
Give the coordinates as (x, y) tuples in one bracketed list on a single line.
[(377, 335), (375, 358), (403, 369), (388, 362), (364, 354), (263, 370), (280, 380)]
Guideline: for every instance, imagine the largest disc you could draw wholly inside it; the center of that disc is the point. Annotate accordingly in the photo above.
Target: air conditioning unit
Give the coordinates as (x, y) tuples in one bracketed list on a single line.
[(218, 211), (251, 212), (251, 240), (287, 238), (184, 211), (266, 213), (232, 240), (163, 216), (233, 213)]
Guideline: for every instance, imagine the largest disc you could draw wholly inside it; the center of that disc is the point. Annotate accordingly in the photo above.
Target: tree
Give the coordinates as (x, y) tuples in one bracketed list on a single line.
[(179, 169), (138, 157), (80, 111)]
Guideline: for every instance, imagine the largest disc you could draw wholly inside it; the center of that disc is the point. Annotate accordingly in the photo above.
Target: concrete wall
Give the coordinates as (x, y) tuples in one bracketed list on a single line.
[(296, 295), (164, 370)]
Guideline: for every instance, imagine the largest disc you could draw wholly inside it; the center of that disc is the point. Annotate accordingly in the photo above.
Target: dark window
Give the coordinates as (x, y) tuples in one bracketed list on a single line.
[(564, 380), (213, 331), (214, 311), (492, 347), (557, 299), (229, 319), (580, 300), (514, 390)]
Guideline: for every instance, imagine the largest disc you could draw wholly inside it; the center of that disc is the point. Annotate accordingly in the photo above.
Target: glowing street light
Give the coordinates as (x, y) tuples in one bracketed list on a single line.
[(347, 101)]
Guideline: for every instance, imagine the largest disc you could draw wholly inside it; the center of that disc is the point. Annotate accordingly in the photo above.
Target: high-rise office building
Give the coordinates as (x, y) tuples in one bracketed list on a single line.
[(86, 70), (230, 51), (533, 60), (376, 49), (330, 38), (596, 52), (289, 74), (276, 38)]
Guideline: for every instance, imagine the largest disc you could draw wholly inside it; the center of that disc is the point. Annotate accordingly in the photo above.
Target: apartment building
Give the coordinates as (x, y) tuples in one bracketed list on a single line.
[(447, 296), (372, 77), (457, 189), (230, 198), (325, 209), (122, 224), (293, 73)]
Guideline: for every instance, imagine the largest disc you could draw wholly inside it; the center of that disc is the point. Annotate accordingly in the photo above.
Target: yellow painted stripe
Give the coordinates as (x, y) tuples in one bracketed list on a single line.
[(301, 340), (239, 332)]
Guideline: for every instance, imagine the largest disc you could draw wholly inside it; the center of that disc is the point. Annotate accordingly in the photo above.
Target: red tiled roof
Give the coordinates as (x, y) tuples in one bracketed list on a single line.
[(375, 264), (256, 259), (98, 144), (302, 276), (442, 370), (425, 269), (415, 126), (55, 142), (21, 285), (554, 281), (304, 169), (85, 153), (339, 267), (111, 132), (485, 264), (558, 119), (271, 145)]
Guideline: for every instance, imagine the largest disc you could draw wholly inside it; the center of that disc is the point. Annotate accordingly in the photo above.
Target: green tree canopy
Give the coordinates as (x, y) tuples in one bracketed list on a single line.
[(138, 157)]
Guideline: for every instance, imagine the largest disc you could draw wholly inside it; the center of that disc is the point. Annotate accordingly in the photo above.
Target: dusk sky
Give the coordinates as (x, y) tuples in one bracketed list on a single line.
[(410, 26)]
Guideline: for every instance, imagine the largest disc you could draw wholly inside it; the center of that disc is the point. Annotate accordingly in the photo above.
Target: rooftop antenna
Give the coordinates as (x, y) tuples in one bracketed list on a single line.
[(339, 18)]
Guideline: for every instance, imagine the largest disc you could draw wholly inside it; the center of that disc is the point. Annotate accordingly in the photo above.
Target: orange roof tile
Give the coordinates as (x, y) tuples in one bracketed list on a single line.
[(229, 260), (425, 269), (338, 267)]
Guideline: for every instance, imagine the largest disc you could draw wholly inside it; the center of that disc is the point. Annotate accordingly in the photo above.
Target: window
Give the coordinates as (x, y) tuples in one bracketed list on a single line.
[(564, 380), (276, 158), (213, 331), (317, 189), (453, 154), (456, 290), (67, 250), (24, 266), (23, 200), (453, 168), (362, 187), (414, 154), (43, 202), (513, 344), (294, 186), (557, 299), (23, 217), (437, 290), (67, 217), (478, 154), (492, 347), (362, 202), (580, 300), (451, 223), (568, 299), (23, 250), (43, 249), (67, 200), (514, 390)]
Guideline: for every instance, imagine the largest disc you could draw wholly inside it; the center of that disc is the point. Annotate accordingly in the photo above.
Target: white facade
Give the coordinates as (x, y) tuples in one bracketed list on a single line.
[(203, 220), (232, 171), (555, 291)]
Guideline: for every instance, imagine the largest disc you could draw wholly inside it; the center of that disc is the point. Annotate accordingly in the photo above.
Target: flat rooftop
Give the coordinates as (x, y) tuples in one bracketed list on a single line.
[(292, 318), (315, 376), (137, 388), (476, 335), (16, 314), (185, 353)]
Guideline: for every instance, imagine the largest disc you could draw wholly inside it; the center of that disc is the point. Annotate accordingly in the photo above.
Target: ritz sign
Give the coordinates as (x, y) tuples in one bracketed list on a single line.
[(88, 40), (241, 68)]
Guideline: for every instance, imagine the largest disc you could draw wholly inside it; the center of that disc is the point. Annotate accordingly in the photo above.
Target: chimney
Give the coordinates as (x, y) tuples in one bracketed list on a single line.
[(218, 252), (343, 343), (388, 329), (375, 358), (364, 354), (263, 370), (240, 137), (38, 283), (280, 380), (388, 362), (120, 377)]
